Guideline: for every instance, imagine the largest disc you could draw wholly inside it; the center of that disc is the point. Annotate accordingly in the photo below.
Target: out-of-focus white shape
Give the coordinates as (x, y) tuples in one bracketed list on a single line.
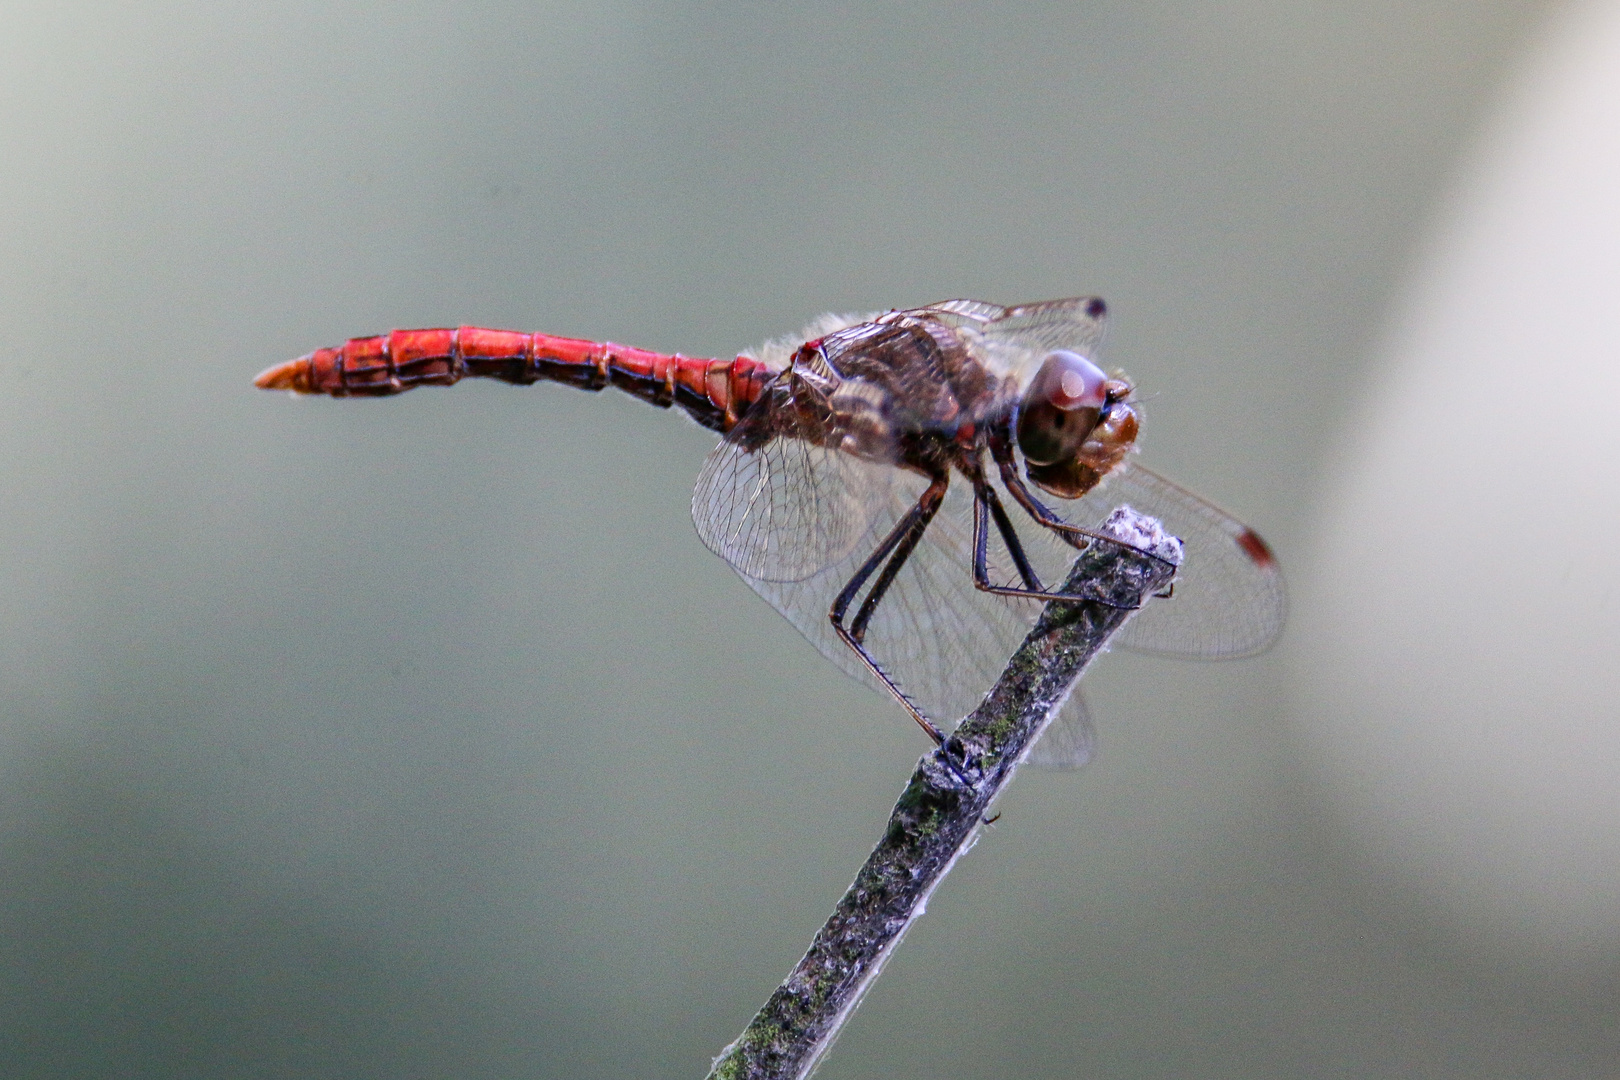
[(1458, 634)]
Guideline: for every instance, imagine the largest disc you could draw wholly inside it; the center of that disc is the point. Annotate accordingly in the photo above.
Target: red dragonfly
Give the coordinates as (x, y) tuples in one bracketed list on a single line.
[(831, 492)]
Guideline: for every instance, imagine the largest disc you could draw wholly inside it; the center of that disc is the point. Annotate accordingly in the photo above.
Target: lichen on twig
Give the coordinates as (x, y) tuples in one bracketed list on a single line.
[(938, 815)]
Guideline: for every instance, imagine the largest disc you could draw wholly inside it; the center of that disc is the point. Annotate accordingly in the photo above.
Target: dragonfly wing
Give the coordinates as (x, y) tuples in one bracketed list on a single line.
[(1069, 741), (1075, 323), (781, 508), (941, 639), (975, 313), (1229, 599), (944, 640)]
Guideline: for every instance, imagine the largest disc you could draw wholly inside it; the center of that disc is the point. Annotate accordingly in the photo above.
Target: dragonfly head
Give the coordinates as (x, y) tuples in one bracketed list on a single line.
[(1074, 424)]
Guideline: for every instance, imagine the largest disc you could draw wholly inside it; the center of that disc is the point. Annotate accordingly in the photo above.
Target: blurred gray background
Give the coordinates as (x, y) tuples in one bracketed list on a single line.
[(422, 738)]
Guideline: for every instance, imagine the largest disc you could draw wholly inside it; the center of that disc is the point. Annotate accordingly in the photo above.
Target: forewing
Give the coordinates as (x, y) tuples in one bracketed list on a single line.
[(975, 313), (1228, 599), (1074, 323)]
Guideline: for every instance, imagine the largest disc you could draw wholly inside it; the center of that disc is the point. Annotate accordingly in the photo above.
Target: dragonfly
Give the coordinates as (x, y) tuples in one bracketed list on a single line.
[(903, 487)]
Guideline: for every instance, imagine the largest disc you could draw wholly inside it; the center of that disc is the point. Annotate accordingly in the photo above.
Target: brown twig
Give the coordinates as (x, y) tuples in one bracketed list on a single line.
[(938, 816)]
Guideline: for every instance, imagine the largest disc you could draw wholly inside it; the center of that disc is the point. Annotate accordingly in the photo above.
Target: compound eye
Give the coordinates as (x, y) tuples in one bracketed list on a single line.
[(1074, 381), (1060, 407)]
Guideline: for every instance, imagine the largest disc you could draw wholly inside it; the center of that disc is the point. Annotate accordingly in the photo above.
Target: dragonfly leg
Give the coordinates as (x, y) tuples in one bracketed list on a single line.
[(985, 499), (1036, 509), (896, 549), (1074, 535), (985, 506)]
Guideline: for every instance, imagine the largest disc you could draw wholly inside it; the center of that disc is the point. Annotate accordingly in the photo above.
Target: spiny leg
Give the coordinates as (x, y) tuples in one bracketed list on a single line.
[(896, 548), (902, 552)]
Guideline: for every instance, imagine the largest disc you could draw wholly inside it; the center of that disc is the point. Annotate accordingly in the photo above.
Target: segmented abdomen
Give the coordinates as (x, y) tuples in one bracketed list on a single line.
[(714, 392)]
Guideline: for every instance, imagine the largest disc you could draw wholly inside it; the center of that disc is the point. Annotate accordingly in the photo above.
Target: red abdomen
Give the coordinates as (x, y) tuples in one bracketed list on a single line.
[(714, 392)]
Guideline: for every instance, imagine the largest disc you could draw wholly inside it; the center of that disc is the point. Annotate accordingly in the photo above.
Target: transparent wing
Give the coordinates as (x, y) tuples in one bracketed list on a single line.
[(781, 508), (786, 510), (1075, 323), (1229, 599), (976, 313), (1072, 323), (1068, 741), (942, 640)]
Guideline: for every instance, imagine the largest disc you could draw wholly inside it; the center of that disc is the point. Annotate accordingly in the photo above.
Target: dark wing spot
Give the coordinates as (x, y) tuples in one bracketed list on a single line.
[(1256, 549)]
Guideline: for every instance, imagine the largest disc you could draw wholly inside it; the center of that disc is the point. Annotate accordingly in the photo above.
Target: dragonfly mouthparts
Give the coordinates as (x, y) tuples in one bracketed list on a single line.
[(293, 375)]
